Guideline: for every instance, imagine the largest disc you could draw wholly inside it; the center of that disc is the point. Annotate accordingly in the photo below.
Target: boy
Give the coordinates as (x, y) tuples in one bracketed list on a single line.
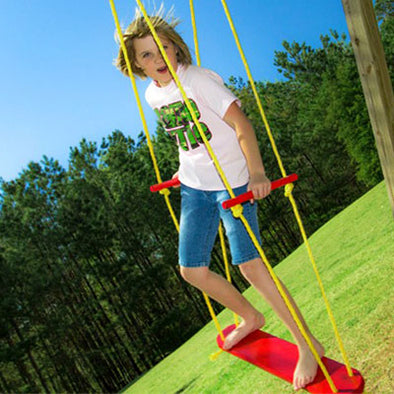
[(233, 140)]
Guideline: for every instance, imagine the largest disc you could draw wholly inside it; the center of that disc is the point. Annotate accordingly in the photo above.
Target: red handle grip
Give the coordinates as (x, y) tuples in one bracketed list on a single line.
[(249, 195), (159, 186)]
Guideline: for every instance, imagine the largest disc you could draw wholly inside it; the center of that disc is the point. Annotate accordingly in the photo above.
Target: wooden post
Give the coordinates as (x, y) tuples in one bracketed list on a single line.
[(375, 80)]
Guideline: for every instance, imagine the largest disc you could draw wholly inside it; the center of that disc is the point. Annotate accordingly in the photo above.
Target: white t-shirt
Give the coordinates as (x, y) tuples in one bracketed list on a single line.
[(210, 99)]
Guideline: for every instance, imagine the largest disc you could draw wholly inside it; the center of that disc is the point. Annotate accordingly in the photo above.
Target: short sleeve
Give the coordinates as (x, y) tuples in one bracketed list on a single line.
[(211, 91)]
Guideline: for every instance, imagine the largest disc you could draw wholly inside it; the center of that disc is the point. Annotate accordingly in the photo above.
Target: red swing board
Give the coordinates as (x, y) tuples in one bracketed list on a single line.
[(279, 358)]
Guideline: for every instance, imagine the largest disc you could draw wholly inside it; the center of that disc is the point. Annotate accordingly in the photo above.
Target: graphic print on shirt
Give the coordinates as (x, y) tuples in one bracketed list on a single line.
[(178, 122)]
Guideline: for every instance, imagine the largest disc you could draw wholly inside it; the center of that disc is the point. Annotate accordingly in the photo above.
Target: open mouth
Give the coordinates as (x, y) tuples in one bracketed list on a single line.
[(162, 70)]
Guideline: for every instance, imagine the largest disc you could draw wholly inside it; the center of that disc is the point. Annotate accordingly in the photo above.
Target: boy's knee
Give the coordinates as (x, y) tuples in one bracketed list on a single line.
[(194, 275), (250, 268)]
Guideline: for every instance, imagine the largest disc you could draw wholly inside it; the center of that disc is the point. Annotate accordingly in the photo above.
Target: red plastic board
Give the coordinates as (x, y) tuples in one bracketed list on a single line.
[(279, 358)]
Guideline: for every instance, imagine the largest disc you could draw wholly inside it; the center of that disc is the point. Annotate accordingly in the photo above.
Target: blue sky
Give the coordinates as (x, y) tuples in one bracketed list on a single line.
[(58, 84)]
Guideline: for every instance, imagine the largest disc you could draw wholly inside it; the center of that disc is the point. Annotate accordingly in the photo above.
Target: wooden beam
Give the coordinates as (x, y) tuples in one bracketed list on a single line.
[(375, 80)]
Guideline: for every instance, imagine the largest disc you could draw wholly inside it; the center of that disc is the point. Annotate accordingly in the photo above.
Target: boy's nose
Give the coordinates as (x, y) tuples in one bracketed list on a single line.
[(159, 58)]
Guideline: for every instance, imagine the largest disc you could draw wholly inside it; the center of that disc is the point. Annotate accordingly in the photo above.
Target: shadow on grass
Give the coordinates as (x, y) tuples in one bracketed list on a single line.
[(186, 386)]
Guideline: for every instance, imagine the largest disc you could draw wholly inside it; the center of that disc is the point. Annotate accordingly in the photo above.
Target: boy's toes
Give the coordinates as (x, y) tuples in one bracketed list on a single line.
[(300, 383)]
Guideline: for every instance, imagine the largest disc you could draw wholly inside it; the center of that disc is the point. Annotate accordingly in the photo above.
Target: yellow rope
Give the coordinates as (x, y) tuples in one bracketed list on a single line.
[(324, 296), (288, 191), (289, 305), (197, 123), (253, 86), (165, 192), (170, 209), (193, 18), (237, 212), (185, 98), (221, 234), (134, 85), (226, 263)]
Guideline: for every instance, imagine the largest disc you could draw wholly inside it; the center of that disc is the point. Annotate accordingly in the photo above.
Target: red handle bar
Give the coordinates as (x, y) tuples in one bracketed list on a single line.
[(234, 201), (249, 195), (159, 186)]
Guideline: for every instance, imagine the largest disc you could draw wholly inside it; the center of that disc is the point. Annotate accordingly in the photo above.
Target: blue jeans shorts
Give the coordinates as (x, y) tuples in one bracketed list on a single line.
[(200, 214)]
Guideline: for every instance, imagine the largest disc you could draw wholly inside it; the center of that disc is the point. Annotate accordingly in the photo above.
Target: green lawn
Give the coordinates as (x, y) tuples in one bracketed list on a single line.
[(355, 256)]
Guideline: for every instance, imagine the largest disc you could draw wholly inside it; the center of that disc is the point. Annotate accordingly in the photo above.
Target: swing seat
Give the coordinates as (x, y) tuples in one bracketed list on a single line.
[(279, 358)]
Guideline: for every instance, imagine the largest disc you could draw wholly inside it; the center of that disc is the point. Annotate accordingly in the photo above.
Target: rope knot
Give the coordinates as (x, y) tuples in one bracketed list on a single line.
[(165, 192), (237, 210), (288, 189)]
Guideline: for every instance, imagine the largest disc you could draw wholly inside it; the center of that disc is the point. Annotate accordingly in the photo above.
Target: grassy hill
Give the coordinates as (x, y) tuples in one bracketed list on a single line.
[(355, 256)]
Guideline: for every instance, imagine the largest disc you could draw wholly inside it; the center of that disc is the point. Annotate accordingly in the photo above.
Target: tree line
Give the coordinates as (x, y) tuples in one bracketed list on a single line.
[(91, 296)]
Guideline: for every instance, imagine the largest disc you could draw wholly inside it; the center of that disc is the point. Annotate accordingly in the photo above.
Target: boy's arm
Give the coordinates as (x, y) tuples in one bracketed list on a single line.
[(259, 184)]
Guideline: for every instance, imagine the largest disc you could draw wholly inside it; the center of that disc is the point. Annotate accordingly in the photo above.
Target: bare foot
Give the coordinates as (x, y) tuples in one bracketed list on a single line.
[(243, 330), (307, 365)]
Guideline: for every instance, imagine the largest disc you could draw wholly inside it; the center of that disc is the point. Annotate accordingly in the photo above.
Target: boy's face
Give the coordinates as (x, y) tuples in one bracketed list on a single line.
[(149, 59)]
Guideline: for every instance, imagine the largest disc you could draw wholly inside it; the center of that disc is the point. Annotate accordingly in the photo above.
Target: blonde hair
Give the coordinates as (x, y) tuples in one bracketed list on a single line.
[(164, 26)]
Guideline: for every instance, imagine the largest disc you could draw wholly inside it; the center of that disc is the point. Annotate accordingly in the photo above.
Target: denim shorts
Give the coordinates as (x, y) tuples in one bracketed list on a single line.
[(200, 214)]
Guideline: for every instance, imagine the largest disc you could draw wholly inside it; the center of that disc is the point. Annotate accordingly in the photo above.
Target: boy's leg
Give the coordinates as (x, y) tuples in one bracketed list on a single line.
[(222, 291), (258, 276), (198, 229)]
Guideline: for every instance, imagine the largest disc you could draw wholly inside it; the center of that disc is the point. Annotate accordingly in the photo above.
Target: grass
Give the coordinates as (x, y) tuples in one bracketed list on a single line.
[(355, 256)]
